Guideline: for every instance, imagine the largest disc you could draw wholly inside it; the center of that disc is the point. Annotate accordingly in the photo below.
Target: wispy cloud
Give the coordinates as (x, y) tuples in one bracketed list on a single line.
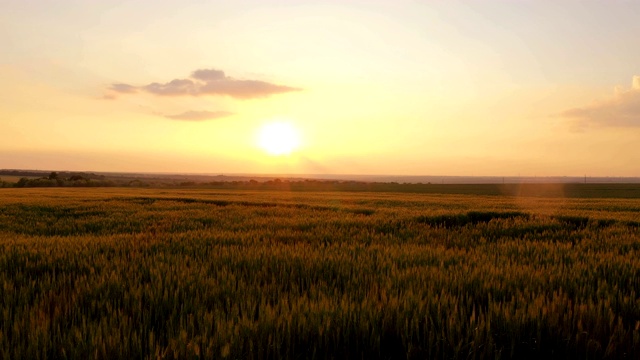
[(208, 82), (622, 109), (199, 115)]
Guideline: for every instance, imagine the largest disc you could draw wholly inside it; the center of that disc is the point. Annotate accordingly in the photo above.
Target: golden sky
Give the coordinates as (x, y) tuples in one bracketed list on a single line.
[(370, 87)]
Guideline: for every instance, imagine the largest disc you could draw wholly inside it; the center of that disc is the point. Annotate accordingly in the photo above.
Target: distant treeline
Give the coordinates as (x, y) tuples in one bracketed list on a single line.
[(63, 179), (66, 179), (59, 174), (56, 179)]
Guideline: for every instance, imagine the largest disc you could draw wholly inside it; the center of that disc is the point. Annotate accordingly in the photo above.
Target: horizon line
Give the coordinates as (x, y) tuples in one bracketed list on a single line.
[(292, 175)]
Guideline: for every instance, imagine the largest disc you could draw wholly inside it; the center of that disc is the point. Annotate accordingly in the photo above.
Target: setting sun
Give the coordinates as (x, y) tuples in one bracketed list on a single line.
[(278, 138)]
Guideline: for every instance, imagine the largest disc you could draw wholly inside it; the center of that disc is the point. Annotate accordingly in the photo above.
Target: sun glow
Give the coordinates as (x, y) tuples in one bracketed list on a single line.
[(278, 138)]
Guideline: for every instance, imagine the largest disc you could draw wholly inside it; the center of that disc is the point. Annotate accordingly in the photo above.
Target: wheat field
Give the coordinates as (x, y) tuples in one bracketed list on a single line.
[(241, 274)]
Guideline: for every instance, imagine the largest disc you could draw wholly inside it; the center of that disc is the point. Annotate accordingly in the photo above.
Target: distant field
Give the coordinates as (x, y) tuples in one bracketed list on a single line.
[(300, 185), (623, 191), (254, 274), (13, 179)]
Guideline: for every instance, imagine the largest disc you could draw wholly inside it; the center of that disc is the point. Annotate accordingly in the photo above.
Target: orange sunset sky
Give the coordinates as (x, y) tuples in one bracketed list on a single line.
[(325, 87)]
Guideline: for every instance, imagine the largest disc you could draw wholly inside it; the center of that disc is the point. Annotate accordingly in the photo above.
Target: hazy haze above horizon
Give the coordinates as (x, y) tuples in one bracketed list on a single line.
[(471, 88)]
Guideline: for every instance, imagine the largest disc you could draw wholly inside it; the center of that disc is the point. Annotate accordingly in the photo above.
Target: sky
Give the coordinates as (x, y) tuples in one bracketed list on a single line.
[(469, 88)]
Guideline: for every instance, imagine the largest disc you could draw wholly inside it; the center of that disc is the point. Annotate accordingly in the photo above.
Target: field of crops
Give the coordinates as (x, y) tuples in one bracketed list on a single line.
[(159, 273), (10, 179)]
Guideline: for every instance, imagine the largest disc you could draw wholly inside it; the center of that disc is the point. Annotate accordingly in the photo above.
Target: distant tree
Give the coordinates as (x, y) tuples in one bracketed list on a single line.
[(22, 182), (138, 183), (53, 175)]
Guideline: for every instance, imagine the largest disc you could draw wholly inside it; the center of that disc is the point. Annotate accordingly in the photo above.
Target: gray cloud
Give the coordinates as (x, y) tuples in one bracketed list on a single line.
[(622, 109), (208, 74), (208, 82), (175, 87), (199, 115), (123, 88)]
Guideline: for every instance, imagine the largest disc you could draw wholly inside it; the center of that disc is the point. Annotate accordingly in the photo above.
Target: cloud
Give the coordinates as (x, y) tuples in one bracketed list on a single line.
[(208, 74), (173, 88), (199, 115), (622, 109), (208, 82), (123, 88)]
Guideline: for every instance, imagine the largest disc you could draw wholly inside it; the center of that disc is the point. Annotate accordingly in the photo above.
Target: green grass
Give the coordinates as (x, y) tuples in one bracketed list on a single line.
[(144, 273)]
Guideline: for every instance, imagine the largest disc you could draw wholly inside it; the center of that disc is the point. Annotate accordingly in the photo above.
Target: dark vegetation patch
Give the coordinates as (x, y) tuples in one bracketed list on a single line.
[(633, 224), (603, 223), (191, 224), (450, 221), (528, 231), (256, 204), (561, 228), (471, 217), (365, 212), (575, 222), (583, 222), (66, 221), (182, 200), (26, 267), (486, 216), (81, 220), (57, 212), (143, 201)]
